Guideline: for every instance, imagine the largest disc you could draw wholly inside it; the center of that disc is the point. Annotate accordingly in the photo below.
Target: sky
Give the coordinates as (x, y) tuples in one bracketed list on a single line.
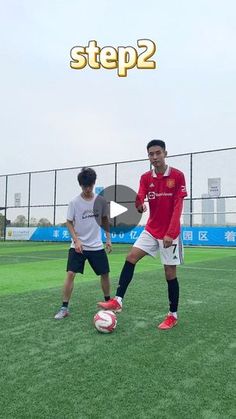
[(54, 117)]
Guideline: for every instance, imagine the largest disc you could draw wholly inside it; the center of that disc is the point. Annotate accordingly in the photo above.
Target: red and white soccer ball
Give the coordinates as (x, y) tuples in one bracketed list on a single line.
[(105, 321)]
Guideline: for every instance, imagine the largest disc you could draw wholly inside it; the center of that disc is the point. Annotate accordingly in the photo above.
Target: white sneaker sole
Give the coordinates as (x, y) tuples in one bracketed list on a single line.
[(61, 318)]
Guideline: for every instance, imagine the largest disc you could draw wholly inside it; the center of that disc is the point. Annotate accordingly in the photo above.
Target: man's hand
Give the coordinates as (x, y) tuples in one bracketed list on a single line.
[(108, 246), (167, 242), (142, 208), (78, 246)]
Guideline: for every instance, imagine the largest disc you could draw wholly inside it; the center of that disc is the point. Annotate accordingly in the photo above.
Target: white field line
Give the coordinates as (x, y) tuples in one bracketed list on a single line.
[(29, 257)]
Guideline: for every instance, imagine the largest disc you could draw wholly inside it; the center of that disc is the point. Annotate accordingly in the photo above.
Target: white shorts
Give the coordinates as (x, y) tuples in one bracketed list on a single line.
[(172, 255)]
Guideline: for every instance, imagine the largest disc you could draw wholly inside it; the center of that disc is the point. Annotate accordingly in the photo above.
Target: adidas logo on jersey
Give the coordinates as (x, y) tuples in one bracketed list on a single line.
[(151, 185)]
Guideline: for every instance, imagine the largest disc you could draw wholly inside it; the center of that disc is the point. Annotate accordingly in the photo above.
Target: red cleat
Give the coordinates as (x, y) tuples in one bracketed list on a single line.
[(112, 305), (169, 322)]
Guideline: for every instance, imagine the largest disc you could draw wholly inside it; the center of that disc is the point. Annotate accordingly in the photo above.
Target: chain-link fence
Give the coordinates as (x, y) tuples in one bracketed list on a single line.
[(40, 198)]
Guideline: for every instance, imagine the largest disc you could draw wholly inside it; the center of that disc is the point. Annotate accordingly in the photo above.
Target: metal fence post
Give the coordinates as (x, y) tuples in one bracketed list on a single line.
[(115, 197), (55, 198), (29, 193), (191, 190), (5, 212)]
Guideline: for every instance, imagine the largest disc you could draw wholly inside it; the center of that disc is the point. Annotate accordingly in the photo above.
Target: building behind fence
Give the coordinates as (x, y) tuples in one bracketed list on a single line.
[(40, 198)]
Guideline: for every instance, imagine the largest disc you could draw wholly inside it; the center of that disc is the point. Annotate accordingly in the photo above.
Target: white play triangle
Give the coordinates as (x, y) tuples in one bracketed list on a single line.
[(116, 209)]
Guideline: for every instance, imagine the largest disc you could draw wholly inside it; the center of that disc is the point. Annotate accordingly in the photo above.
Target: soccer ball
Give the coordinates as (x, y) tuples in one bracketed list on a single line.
[(105, 321)]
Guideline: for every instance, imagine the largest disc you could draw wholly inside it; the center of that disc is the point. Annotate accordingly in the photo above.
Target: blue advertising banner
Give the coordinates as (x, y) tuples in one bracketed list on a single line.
[(121, 236), (195, 236), (209, 236), (54, 234)]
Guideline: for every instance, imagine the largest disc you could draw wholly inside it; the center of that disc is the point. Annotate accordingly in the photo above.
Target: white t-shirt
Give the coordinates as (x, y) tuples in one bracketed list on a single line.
[(87, 220)]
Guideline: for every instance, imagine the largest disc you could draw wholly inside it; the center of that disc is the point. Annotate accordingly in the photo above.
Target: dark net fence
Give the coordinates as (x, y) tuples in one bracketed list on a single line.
[(41, 198)]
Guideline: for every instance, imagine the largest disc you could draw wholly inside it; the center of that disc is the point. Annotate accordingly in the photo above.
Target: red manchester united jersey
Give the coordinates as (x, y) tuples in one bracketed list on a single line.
[(165, 193)]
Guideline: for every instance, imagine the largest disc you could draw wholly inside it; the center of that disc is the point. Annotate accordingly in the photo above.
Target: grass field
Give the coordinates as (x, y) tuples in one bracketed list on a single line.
[(67, 370)]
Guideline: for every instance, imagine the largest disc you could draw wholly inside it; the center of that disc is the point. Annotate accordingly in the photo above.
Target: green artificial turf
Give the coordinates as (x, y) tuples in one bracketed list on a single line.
[(66, 369)]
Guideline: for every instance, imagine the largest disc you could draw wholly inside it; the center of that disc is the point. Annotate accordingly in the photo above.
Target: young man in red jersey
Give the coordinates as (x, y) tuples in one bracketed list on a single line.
[(164, 186)]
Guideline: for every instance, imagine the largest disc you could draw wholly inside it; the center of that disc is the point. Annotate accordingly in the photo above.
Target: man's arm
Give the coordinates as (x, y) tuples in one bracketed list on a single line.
[(173, 229), (106, 227), (141, 195), (77, 242)]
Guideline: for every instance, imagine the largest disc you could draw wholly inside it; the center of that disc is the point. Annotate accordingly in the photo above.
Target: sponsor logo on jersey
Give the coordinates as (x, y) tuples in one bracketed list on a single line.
[(153, 195)]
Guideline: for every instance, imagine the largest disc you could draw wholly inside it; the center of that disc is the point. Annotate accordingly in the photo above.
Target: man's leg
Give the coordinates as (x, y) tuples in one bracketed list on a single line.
[(173, 288), (68, 287), (127, 272), (173, 295), (67, 291), (105, 284), (171, 257), (98, 261), (126, 276)]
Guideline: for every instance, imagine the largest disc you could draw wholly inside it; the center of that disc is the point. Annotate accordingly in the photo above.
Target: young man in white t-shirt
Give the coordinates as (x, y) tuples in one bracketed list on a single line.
[(86, 213)]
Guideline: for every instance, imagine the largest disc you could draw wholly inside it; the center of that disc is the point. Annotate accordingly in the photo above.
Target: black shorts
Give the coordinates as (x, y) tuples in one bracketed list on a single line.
[(96, 258)]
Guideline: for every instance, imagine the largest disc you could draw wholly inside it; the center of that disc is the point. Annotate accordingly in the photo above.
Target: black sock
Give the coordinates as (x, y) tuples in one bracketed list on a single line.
[(125, 278), (107, 297), (65, 304), (173, 293)]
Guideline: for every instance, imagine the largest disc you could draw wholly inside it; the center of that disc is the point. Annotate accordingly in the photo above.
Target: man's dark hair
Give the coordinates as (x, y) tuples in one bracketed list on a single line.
[(87, 177), (159, 143)]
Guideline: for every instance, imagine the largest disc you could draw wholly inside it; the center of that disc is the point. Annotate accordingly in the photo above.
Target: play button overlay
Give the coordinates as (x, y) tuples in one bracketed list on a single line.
[(123, 214), (116, 209)]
